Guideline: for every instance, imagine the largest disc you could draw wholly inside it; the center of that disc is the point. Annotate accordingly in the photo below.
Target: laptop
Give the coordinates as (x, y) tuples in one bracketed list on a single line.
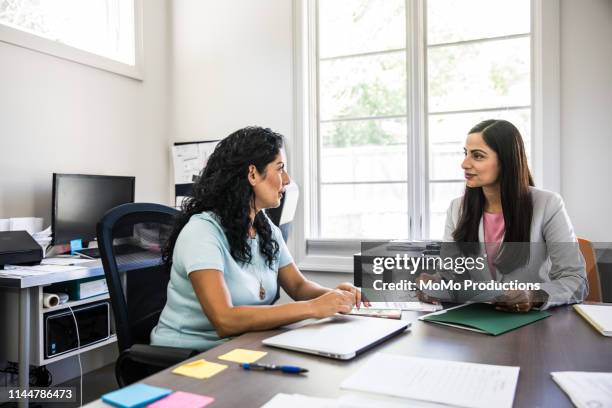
[(341, 337)]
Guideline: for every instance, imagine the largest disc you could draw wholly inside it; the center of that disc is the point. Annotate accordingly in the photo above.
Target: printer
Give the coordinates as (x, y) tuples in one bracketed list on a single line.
[(19, 248)]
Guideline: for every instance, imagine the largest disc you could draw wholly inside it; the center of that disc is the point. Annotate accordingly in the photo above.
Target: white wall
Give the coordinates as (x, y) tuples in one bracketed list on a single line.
[(586, 116), (231, 67), (60, 116)]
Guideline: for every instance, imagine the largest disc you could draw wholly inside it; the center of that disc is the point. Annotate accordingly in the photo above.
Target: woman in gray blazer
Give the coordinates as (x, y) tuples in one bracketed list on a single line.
[(502, 208)]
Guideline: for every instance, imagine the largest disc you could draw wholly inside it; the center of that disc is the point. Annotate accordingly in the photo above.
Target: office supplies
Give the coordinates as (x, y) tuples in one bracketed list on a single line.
[(599, 316), (382, 313), (200, 369), (85, 288), (135, 396), (181, 399), (18, 247), (440, 381), (272, 367), (586, 389), (240, 355), (341, 337), (80, 201), (50, 300), (483, 318)]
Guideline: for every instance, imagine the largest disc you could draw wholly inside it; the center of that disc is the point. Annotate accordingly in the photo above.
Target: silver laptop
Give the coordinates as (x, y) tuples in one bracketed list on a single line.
[(341, 337)]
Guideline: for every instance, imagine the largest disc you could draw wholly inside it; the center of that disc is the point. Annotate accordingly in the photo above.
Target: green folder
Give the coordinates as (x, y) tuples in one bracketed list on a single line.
[(483, 318)]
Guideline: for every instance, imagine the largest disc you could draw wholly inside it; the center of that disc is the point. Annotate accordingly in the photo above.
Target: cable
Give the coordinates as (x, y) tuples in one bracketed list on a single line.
[(76, 325)]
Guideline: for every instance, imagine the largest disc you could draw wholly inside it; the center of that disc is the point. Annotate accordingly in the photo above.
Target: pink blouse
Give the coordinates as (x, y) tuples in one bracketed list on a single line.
[(493, 236)]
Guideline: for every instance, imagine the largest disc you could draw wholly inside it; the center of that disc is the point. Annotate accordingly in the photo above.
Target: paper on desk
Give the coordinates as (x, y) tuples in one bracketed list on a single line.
[(412, 306), (586, 389), (180, 399), (440, 381), (242, 356), (281, 400), (360, 400), (39, 269), (200, 369), (65, 261)]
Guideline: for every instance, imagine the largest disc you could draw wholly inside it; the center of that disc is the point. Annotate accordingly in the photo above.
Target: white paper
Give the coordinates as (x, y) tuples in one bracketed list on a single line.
[(190, 159), (19, 270), (601, 315), (292, 195), (360, 400), (30, 224), (281, 400), (440, 381), (586, 390), (5, 224)]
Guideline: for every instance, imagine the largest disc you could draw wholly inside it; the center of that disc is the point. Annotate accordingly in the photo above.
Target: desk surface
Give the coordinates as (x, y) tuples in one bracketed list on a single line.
[(562, 342), (86, 270)]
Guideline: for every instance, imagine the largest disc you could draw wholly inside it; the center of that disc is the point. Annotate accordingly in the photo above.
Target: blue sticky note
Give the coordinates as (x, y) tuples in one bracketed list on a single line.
[(134, 396), (75, 245)]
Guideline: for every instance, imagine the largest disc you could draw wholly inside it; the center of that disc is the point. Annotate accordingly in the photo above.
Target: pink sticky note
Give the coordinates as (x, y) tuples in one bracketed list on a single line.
[(182, 399)]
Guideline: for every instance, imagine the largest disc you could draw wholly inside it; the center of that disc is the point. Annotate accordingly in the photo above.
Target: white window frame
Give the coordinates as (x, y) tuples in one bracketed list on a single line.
[(325, 255), (46, 46)]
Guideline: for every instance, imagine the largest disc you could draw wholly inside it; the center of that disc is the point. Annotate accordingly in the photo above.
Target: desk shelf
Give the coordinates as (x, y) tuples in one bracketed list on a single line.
[(9, 342)]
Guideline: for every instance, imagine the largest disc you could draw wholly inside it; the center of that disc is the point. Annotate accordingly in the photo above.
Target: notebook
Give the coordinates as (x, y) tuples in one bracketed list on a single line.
[(135, 396), (483, 318), (341, 337), (599, 316)]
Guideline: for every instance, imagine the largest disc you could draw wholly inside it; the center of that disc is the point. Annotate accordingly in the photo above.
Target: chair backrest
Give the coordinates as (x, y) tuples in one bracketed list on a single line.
[(130, 239), (586, 247)]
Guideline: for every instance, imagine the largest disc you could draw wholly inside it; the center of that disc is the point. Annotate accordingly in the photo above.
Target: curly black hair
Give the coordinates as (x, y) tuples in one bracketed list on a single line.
[(223, 188)]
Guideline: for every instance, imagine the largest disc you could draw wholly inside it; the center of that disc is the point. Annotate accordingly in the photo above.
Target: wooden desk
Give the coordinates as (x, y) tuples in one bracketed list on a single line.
[(562, 342)]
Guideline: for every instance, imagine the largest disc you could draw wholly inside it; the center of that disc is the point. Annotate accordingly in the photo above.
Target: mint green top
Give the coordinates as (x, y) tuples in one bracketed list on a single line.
[(202, 244)]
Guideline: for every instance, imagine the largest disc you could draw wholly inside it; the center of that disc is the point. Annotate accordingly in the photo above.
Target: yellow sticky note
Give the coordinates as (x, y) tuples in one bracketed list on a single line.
[(243, 356), (200, 369)]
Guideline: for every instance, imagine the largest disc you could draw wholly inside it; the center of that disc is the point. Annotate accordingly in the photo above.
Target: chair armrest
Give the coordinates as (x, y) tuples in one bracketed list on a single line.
[(142, 360), (159, 356)]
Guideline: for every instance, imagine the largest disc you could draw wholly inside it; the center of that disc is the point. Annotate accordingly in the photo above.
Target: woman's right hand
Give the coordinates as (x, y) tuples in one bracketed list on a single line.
[(332, 302), (423, 297)]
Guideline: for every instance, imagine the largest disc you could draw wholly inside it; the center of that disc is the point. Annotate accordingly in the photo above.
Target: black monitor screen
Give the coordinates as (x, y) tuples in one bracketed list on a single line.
[(80, 201)]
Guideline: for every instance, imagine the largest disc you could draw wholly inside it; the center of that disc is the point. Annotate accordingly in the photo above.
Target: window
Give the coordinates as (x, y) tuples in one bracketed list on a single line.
[(101, 33), (397, 86)]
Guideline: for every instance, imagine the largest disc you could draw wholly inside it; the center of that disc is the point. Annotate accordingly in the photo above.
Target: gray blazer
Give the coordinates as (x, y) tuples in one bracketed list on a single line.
[(555, 258)]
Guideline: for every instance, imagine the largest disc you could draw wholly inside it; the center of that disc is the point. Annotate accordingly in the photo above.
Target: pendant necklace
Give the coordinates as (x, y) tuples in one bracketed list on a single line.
[(262, 290)]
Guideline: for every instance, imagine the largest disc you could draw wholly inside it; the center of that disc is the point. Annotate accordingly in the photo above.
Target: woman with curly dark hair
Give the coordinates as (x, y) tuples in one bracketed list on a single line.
[(227, 259)]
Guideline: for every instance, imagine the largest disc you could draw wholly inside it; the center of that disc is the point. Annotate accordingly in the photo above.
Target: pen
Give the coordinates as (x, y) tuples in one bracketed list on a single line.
[(271, 367)]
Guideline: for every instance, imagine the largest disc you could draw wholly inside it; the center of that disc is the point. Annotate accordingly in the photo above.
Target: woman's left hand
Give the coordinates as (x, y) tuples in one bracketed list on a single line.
[(517, 301), (355, 291)]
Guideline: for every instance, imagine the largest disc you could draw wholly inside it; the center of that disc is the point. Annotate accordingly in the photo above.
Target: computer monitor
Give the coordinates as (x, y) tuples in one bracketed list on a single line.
[(80, 201)]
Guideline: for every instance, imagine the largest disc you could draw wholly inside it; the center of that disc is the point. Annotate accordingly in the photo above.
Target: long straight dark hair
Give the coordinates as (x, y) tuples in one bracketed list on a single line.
[(514, 179)]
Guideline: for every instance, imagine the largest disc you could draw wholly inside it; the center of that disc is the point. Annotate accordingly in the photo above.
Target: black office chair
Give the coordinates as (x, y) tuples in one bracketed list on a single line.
[(130, 239)]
